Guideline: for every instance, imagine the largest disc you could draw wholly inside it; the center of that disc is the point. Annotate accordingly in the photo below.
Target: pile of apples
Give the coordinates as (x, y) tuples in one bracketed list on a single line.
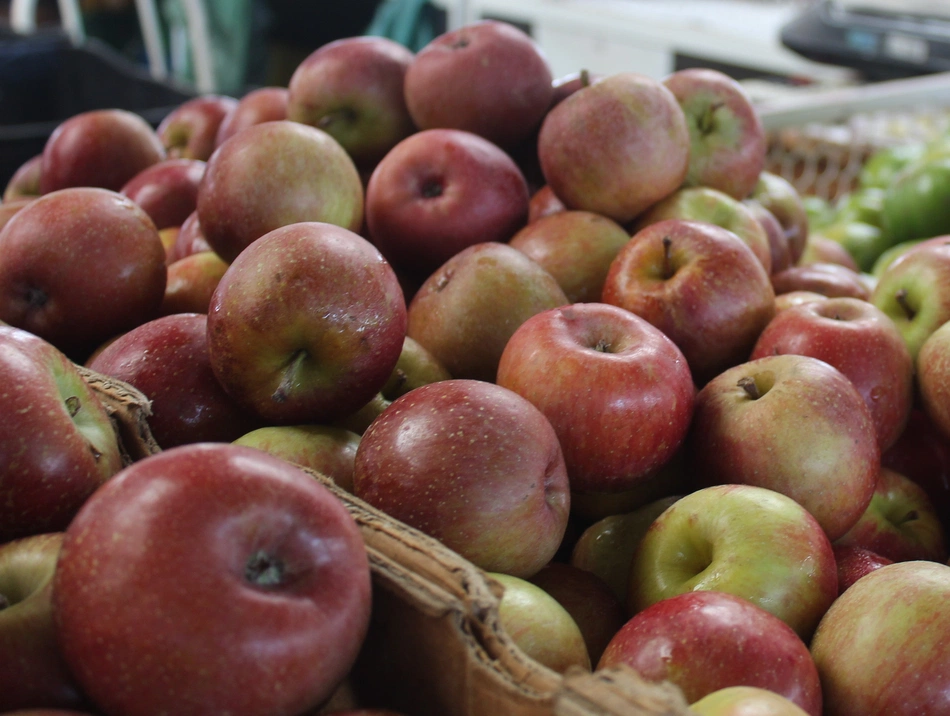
[(568, 326)]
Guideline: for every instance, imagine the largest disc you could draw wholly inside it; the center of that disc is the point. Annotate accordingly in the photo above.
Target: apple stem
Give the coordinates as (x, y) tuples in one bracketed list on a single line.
[(910, 517), (901, 298), (747, 383), (705, 121), (585, 78), (72, 405), (667, 264), (264, 570)]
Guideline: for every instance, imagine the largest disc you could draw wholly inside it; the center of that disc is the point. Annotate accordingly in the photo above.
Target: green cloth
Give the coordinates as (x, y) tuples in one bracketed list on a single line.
[(409, 22)]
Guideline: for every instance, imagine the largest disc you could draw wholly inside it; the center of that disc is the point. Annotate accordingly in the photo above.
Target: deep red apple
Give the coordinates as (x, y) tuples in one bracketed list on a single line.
[(263, 104), (854, 562), (167, 190), (828, 279), (779, 195), (189, 240), (190, 130)]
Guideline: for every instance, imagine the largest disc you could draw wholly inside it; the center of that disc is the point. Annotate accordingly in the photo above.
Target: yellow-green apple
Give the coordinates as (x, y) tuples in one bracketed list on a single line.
[(25, 181), (576, 247), (794, 424), (854, 562), (274, 174), (167, 190), (466, 311), (727, 139), (597, 611), (98, 148), (858, 339), (900, 524), (167, 359), (352, 88), (542, 203), (779, 195), (169, 236), (913, 292), (190, 239), (781, 257), (9, 208), (34, 673), (329, 450), (829, 279), (259, 105), (189, 131), (58, 440), (745, 540), (615, 147), (707, 640), (475, 466), (606, 547), (307, 323), (616, 389), (708, 205), (539, 625), (438, 192), (486, 77), (898, 609), (271, 615), (191, 283), (745, 701), (821, 249), (699, 284), (933, 377)]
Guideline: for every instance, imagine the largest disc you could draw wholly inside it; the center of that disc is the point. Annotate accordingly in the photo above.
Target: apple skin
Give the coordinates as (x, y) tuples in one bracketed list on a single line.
[(307, 324), (352, 88), (167, 359), (108, 277), (167, 190), (698, 283), (858, 339), (576, 247), (543, 202), (439, 192), (566, 85), (727, 139), (189, 131), (781, 256), (263, 104), (189, 240), (485, 476), (278, 597), (191, 283), (34, 674), (745, 540), (822, 250), (99, 148), (25, 181), (617, 391), (615, 147), (897, 609), (854, 562), (829, 279), (933, 377), (704, 641), (9, 208), (796, 298), (794, 424), (745, 701), (487, 77), (780, 196), (271, 175)]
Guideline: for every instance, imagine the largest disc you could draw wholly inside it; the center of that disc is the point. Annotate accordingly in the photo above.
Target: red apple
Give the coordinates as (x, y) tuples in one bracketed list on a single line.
[(191, 283), (781, 257), (263, 104), (796, 298), (822, 250), (487, 77), (167, 190), (474, 465), (99, 148), (214, 555), (698, 283), (438, 192), (854, 562), (352, 88), (779, 195), (271, 175), (79, 266), (9, 208), (25, 181), (566, 85), (727, 139), (542, 203), (189, 240), (922, 453), (615, 147), (933, 377), (190, 130), (828, 279)]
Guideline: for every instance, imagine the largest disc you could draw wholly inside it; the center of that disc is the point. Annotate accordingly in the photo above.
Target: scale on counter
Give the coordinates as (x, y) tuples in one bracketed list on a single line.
[(881, 39)]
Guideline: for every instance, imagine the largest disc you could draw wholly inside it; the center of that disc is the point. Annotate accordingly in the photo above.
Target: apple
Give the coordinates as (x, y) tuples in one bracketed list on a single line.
[(80, 265), (98, 148), (698, 283), (543, 202), (259, 105), (854, 562), (168, 360), (169, 236), (727, 139), (9, 208), (540, 626), (796, 298), (779, 195), (822, 250), (933, 377), (352, 88), (167, 190), (466, 311), (475, 466), (190, 239), (58, 440), (706, 640), (700, 203), (858, 339), (566, 85), (307, 323), (576, 247), (745, 701), (438, 192), (191, 283), (615, 147), (748, 541), (794, 424), (25, 181), (897, 609), (34, 674), (780, 255), (190, 130), (829, 279), (215, 555), (922, 453), (487, 77), (271, 175)]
